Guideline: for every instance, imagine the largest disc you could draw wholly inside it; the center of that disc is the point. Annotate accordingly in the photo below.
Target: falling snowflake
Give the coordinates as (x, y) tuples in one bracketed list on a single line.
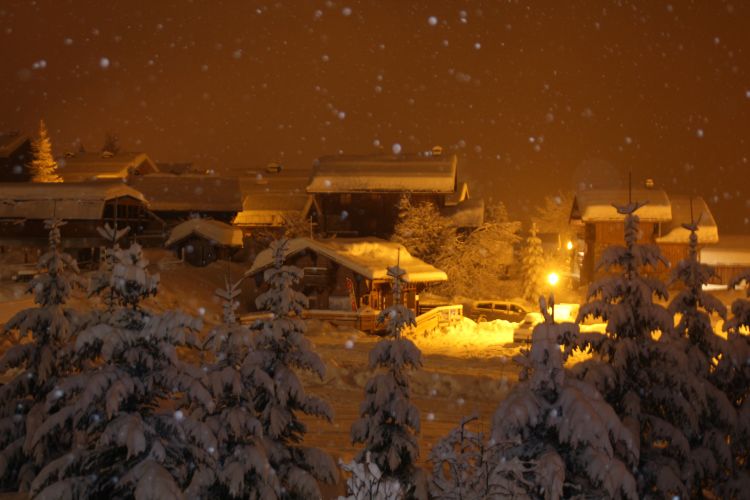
[(104, 62), (349, 344), (432, 20), (178, 415), (396, 148)]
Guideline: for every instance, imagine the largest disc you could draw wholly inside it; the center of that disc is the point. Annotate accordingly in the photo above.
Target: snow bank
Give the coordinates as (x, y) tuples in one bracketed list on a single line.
[(468, 337)]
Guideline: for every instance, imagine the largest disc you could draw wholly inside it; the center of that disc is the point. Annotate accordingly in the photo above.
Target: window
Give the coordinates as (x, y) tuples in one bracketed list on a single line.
[(484, 305), (501, 307)]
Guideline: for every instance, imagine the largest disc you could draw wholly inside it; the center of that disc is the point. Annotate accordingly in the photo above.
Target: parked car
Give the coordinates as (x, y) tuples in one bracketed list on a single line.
[(523, 332), (489, 310)]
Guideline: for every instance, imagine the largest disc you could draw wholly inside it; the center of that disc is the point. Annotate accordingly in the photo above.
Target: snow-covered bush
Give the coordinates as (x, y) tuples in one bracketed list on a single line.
[(366, 482), (242, 469), (389, 421), (648, 382), (128, 407), (564, 437), (40, 356), (278, 350)]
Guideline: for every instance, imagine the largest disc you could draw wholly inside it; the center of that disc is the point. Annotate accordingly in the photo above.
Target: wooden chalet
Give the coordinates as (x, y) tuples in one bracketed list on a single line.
[(599, 225), (177, 198), (83, 206), (15, 157), (359, 195), (729, 257), (94, 166), (272, 196), (347, 274), (202, 241)]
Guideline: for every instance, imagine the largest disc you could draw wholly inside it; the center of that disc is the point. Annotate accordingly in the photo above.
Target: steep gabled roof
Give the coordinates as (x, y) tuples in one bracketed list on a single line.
[(86, 166), (212, 230), (402, 173), (10, 142), (673, 232), (369, 257), (732, 250), (596, 205), (65, 200), (189, 193)]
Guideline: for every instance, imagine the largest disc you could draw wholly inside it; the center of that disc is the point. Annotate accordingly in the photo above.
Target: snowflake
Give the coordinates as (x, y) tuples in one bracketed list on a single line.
[(432, 20), (349, 344), (104, 62), (178, 415), (430, 417), (396, 148)]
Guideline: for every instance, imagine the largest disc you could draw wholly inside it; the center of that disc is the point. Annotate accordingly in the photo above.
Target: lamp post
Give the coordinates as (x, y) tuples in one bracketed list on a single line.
[(553, 279)]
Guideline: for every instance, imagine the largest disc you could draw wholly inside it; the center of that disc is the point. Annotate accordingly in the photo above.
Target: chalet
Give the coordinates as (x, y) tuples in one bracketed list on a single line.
[(176, 198), (202, 241), (90, 166), (599, 225), (83, 206), (351, 190), (271, 197), (15, 156), (348, 273), (729, 257)]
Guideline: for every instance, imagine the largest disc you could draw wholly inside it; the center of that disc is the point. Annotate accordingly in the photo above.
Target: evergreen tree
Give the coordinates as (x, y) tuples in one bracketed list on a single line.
[(571, 440), (532, 269), (242, 467), (39, 357), (279, 349), (704, 349), (43, 164), (733, 376), (647, 381), (129, 404), (422, 230), (389, 421), (367, 482)]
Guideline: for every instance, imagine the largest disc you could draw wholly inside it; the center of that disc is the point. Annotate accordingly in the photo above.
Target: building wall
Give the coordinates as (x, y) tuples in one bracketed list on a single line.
[(15, 168)]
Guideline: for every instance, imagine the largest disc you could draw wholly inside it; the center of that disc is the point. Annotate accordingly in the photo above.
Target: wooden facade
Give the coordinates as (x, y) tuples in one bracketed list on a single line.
[(15, 157)]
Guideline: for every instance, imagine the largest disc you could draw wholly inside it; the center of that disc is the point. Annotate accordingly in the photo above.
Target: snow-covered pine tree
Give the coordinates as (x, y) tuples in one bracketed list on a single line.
[(532, 265), (43, 164), (389, 421), (278, 349), (733, 376), (423, 230), (647, 381), (242, 468), (101, 280), (135, 436), (571, 440), (366, 482), (704, 349), (41, 355)]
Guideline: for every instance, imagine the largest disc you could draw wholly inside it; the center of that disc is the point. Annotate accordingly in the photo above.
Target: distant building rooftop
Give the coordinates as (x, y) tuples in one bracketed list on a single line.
[(596, 205), (86, 166), (189, 192), (401, 173), (673, 232), (10, 142), (212, 230)]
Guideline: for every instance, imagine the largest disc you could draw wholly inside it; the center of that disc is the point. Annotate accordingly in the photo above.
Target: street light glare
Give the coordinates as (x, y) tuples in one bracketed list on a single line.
[(553, 278)]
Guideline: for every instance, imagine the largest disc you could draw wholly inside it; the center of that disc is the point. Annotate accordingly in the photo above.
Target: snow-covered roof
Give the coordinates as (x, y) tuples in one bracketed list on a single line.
[(369, 257), (212, 230), (595, 205), (467, 214), (731, 250), (270, 209), (65, 200), (402, 173), (86, 166), (10, 142), (673, 232), (189, 193)]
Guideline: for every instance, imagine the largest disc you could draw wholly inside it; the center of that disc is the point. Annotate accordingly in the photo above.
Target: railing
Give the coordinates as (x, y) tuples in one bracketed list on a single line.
[(438, 317)]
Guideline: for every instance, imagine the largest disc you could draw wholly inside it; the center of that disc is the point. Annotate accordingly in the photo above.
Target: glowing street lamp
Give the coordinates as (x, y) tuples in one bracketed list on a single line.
[(569, 245), (553, 278)]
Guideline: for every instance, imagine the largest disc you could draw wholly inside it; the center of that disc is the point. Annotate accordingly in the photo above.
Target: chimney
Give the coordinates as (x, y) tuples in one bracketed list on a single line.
[(649, 183), (437, 151)]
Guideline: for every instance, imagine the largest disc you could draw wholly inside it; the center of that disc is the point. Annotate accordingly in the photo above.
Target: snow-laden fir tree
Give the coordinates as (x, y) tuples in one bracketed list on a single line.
[(532, 265), (733, 376), (278, 350), (128, 407), (647, 381), (423, 230), (477, 263), (389, 421), (242, 468), (100, 280), (704, 349), (461, 465), (39, 357), (43, 164), (571, 441)]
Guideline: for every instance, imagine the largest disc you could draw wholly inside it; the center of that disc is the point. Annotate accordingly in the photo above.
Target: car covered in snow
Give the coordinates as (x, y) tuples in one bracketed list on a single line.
[(523, 331), (490, 310)]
